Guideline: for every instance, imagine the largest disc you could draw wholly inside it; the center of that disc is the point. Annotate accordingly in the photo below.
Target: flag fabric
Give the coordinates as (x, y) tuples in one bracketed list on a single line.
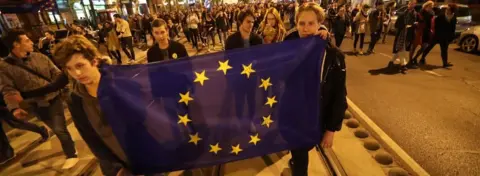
[(217, 108)]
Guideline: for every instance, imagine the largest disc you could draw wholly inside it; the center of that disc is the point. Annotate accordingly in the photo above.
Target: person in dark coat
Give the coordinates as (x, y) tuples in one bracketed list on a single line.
[(84, 105), (443, 34), (404, 36), (244, 37), (340, 25), (422, 33), (164, 49), (375, 21), (334, 92)]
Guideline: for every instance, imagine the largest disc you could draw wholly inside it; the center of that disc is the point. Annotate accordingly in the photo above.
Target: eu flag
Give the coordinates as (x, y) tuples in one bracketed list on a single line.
[(216, 108)]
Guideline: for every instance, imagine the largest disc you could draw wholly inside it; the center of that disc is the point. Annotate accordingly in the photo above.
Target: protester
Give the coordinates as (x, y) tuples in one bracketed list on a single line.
[(244, 37), (164, 49), (360, 21), (404, 37), (422, 32), (125, 36), (81, 60), (24, 70), (46, 44), (340, 26), (271, 28), (376, 19), (444, 32), (309, 18), (113, 44)]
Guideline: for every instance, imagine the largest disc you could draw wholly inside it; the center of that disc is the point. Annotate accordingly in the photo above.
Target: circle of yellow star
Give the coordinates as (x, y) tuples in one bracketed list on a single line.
[(185, 98), (267, 121), (214, 148), (200, 77), (247, 70), (224, 67), (265, 83), (254, 139), (236, 149), (271, 101), (184, 119), (194, 138)]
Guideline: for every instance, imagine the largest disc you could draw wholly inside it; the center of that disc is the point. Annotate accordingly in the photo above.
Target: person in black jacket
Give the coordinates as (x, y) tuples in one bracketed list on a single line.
[(81, 59), (340, 25), (334, 92), (244, 37), (164, 48), (444, 33)]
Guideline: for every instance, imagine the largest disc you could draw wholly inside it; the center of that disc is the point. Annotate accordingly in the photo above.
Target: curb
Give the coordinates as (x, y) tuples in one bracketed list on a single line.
[(391, 146)]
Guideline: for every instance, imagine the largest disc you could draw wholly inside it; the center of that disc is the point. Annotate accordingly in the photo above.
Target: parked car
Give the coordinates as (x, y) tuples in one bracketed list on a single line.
[(468, 40), (464, 17)]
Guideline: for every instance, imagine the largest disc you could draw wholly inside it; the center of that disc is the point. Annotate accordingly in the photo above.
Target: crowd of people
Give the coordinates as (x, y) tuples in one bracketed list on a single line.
[(33, 83)]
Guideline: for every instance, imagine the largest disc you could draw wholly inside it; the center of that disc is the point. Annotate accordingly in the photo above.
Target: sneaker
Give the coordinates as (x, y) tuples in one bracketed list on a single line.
[(45, 135), (403, 70), (360, 52), (354, 50), (70, 162), (422, 62)]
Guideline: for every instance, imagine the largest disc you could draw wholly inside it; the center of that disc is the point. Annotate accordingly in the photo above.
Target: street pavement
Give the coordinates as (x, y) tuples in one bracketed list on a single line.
[(432, 113)]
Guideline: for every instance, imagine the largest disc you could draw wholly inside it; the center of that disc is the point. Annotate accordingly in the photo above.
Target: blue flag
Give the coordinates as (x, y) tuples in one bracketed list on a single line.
[(212, 109)]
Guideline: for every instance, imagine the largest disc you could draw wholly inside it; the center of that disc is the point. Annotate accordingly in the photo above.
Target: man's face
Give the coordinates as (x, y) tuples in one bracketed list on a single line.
[(24, 44), (247, 24), (160, 33), (82, 69), (412, 4), (48, 35), (307, 24)]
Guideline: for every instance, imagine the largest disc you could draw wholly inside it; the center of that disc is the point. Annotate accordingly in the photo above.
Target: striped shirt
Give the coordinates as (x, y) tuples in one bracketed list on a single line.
[(14, 79)]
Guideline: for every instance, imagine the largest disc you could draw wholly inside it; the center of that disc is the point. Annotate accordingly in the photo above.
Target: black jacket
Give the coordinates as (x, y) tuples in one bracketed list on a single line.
[(236, 41), (334, 91), (444, 30), (175, 50)]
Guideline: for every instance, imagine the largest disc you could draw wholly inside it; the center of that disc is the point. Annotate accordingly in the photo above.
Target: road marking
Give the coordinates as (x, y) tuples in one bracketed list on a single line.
[(427, 71)]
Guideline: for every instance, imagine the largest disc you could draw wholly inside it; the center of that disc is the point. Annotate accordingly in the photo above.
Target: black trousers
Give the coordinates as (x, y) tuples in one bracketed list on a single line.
[(128, 42), (195, 37), (362, 38), (339, 39), (53, 116), (374, 37), (443, 49), (300, 161)]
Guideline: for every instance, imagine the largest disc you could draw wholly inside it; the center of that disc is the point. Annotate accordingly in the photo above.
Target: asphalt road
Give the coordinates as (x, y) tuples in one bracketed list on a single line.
[(432, 113)]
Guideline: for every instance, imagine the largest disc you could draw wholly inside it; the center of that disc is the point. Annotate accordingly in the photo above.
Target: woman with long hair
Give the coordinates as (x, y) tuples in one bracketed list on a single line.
[(113, 44), (271, 28), (361, 22)]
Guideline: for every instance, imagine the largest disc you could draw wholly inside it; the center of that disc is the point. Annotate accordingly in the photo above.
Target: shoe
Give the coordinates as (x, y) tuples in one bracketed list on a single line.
[(70, 162), (422, 62), (7, 159), (403, 70), (354, 50), (45, 135), (360, 52), (390, 64), (447, 65)]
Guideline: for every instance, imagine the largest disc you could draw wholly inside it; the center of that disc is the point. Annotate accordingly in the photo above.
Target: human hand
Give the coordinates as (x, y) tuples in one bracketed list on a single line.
[(20, 114), (327, 140)]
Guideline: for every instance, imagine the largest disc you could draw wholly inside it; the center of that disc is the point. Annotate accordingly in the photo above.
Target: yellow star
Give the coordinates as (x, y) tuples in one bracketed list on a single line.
[(247, 70), (194, 138), (215, 148), (236, 149), (267, 121), (224, 67), (185, 98), (265, 83), (200, 77), (271, 101), (254, 139), (184, 119)]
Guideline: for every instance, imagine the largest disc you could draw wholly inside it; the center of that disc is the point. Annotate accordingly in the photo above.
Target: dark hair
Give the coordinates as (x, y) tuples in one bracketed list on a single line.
[(117, 16), (243, 15), (75, 44), (50, 32), (12, 37), (159, 23), (453, 7)]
